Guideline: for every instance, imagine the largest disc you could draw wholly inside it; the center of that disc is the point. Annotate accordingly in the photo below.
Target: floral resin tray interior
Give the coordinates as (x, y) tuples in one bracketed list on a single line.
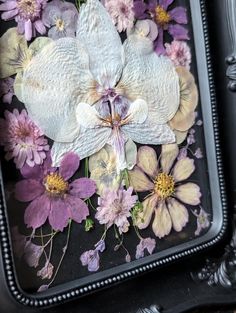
[(103, 147)]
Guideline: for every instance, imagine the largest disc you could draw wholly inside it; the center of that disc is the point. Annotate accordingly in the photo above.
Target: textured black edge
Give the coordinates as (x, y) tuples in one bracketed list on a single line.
[(46, 301)]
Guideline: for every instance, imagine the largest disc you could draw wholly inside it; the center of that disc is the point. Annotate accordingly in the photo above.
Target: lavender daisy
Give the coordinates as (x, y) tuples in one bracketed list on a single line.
[(22, 139), (52, 196), (27, 14), (61, 18)]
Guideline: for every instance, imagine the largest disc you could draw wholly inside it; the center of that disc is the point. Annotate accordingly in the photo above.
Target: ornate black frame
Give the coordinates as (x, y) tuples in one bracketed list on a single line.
[(9, 287)]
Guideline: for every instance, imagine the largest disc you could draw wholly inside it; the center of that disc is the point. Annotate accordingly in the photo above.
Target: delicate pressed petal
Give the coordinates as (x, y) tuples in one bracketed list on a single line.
[(145, 216), (165, 3), (28, 189), (9, 14), (178, 32), (188, 193), (8, 5), (28, 30), (35, 172), (179, 15), (180, 136), (101, 40), (162, 224), (147, 160), (151, 78), (59, 214), (87, 116), (139, 181), (40, 27), (54, 82), (179, 214), (168, 155), (69, 165), (183, 169), (78, 209), (83, 187), (38, 44), (130, 154), (99, 159), (159, 45), (138, 111), (87, 143), (37, 212)]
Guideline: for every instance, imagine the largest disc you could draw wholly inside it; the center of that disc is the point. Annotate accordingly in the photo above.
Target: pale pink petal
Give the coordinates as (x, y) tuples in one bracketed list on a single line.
[(69, 165), (188, 193), (168, 155), (139, 181), (179, 214), (59, 215), (183, 169), (28, 189), (162, 224), (83, 187), (35, 172), (37, 212), (147, 160), (145, 216), (78, 209), (8, 5), (40, 27), (28, 30)]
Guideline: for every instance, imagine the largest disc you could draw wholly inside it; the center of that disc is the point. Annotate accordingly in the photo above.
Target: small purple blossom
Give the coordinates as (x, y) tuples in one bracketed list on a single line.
[(179, 53), (6, 89), (32, 253), (199, 123), (191, 137), (51, 196), (47, 271), (114, 208), (27, 14), (198, 153), (148, 244), (202, 221), (91, 258), (166, 20), (182, 153), (61, 17), (43, 288)]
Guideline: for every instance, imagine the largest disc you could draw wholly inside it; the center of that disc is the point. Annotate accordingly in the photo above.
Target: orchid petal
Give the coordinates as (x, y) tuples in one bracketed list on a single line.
[(131, 154), (139, 181), (183, 169), (162, 224), (147, 160), (179, 214), (168, 155), (87, 116), (145, 216), (52, 85), (99, 36), (188, 193), (137, 112)]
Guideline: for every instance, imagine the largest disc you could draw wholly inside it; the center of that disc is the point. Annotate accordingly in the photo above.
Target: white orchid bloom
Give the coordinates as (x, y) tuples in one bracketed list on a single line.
[(92, 90)]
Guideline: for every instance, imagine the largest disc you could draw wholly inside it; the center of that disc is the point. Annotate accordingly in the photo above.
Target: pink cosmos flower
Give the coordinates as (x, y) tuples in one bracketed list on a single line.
[(22, 139), (179, 53), (114, 208), (27, 14), (121, 12), (165, 178), (6, 90), (52, 196)]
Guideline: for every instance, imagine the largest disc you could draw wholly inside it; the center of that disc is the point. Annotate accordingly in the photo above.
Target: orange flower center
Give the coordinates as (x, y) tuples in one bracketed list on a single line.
[(55, 184), (164, 185), (162, 16)]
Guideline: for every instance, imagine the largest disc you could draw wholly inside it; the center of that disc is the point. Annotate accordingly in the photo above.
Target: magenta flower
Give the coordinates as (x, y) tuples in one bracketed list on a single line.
[(114, 208), (6, 90), (52, 196), (61, 17), (179, 53), (27, 14), (91, 258), (148, 244), (166, 20), (23, 141)]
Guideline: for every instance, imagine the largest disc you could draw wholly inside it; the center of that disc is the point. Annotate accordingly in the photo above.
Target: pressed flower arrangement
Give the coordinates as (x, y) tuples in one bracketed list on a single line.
[(105, 135)]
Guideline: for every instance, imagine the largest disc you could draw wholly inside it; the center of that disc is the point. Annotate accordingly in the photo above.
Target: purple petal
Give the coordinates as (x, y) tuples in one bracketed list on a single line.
[(151, 5), (179, 15), (40, 27), (28, 189), (178, 32), (28, 30), (83, 188), (35, 172), (78, 209), (37, 212), (59, 215), (159, 47), (90, 258), (100, 246), (9, 14), (43, 288), (69, 165), (7, 98), (139, 8), (47, 271), (32, 254), (8, 5), (165, 3)]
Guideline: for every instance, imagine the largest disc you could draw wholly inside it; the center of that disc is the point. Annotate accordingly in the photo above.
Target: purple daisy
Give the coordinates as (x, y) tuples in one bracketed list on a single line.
[(52, 196), (61, 18), (166, 20), (6, 89), (22, 139), (27, 14)]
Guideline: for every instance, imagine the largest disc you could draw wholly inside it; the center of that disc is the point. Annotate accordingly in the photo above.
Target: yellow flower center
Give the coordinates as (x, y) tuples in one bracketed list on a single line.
[(162, 16), (55, 184), (164, 185), (60, 24)]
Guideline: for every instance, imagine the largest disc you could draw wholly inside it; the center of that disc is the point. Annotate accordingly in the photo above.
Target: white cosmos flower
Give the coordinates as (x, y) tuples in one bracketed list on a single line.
[(92, 90)]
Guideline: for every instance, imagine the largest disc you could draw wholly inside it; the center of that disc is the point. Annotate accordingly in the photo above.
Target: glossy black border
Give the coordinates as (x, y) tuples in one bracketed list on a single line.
[(207, 91)]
